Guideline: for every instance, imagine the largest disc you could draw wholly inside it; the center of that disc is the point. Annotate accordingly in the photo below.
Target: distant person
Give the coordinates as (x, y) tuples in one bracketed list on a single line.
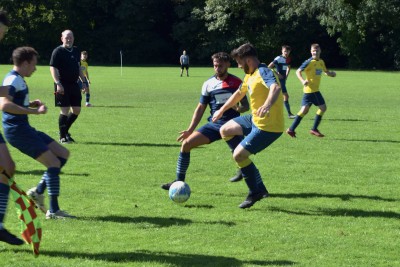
[(7, 165), (215, 91), (65, 71), (184, 61), (86, 80), (262, 127), (16, 107), (282, 65), (313, 67)]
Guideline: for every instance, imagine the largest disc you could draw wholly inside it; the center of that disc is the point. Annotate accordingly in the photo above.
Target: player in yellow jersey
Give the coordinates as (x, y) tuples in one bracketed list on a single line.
[(313, 67), (262, 127), (86, 81)]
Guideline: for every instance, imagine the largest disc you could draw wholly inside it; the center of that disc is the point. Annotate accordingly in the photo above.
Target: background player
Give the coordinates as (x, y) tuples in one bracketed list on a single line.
[(215, 92), (282, 65), (313, 67), (86, 80), (184, 61)]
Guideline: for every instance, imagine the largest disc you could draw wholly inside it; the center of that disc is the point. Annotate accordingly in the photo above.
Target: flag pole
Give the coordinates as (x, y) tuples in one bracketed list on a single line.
[(120, 53)]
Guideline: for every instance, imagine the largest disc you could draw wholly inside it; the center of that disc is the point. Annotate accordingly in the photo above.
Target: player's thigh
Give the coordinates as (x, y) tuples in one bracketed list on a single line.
[(48, 159), (58, 150), (76, 110), (194, 140)]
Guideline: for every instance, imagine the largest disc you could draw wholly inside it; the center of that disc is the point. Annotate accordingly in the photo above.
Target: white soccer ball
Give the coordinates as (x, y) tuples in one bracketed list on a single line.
[(179, 192)]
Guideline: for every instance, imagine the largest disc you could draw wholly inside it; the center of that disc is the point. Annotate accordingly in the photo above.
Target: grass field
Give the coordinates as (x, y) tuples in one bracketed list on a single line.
[(334, 201)]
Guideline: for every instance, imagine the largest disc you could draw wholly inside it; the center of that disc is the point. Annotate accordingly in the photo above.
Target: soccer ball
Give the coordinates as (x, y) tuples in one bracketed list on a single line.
[(179, 192)]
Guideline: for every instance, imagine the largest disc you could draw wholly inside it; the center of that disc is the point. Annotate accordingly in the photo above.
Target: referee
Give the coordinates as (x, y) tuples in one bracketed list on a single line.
[(65, 70)]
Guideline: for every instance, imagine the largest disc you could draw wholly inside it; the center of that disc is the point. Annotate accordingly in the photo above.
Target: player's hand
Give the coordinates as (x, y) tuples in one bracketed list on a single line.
[(42, 109), (60, 89), (217, 115), (183, 135), (263, 111), (305, 83), (36, 103)]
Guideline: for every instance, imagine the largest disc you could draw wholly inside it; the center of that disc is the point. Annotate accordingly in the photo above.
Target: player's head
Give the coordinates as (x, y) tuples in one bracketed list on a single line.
[(286, 50), (243, 54), (4, 23), (25, 60), (67, 38), (221, 63), (84, 55), (315, 51), (184, 52)]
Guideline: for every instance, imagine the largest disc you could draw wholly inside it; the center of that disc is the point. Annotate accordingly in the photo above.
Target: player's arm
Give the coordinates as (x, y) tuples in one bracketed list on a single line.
[(232, 101), (287, 71), (330, 73), (10, 107), (4, 90), (299, 74), (197, 115), (82, 77), (273, 95), (55, 74)]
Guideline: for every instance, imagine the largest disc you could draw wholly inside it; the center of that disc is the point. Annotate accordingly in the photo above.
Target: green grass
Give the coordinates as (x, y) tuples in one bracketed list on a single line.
[(334, 201)]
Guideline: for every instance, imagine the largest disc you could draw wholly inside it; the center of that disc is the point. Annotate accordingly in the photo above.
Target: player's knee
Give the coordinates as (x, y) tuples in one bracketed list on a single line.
[(186, 146)]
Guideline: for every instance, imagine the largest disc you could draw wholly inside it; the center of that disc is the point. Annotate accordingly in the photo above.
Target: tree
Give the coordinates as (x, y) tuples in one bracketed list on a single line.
[(362, 27)]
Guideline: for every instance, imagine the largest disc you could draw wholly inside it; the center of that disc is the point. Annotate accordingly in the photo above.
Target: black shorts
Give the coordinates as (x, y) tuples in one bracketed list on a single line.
[(72, 96), (185, 66)]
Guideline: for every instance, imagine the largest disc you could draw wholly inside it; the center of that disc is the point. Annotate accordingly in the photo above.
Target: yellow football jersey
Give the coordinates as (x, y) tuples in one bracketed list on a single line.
[(257, 85), (313, 69), (84, 68)]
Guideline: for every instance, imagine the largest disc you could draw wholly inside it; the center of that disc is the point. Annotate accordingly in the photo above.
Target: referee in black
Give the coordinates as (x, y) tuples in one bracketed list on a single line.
[(65, 70)]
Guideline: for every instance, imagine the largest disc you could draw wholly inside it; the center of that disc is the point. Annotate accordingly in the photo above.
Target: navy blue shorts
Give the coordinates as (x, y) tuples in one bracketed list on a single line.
[(283, 85), (27, 140), (313, 99), (211, 130), (255, 139)]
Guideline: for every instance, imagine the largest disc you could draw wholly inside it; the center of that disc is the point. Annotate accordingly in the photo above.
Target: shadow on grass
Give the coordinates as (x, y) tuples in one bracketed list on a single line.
[(130, 144), (367, 140), (156, 221), (343, 213), (40, 173), (105, 106), (344, 197), (351, 120), (171, 258)]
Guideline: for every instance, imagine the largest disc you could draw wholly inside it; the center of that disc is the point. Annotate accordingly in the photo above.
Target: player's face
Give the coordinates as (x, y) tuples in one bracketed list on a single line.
[(315, 53), (285, 52), (31, 67), (3, 30), (220, 67), (83, 57), (67, 39), (243, 65)]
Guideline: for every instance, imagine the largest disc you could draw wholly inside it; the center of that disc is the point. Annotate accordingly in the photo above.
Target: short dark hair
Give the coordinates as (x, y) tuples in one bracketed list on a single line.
[(288, 48), (221, 56), (4, 18), (316, 46), (245, 50), (22, 54), (84, 53)]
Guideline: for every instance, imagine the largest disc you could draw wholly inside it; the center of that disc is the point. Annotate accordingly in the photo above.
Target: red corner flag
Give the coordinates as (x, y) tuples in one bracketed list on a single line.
[(31, 229)]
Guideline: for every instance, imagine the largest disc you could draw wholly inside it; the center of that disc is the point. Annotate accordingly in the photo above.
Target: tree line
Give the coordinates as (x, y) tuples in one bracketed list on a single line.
[(361, 34)]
